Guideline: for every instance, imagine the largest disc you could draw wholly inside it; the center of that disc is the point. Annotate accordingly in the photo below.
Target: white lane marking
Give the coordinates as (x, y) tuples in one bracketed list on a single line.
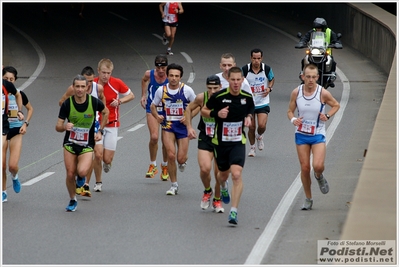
[(119, 16), (189, 60), (191, 78), (38, 178), (158, 36), (138, 126), (40, 53), (45, 175), (187, 57)]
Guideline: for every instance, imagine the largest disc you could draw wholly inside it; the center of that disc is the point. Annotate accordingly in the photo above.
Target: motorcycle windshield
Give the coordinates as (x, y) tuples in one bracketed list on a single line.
[(318, 40)]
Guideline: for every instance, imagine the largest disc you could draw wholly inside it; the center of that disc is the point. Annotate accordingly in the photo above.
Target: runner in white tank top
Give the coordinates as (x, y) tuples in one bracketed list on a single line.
[(310, 100)]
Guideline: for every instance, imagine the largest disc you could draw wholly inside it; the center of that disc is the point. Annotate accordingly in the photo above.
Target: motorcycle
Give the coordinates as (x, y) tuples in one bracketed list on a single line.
[(318, 54)]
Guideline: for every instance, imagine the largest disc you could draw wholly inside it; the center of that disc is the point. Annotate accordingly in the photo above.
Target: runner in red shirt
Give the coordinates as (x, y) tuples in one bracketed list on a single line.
[(116, 93), (169, 12)]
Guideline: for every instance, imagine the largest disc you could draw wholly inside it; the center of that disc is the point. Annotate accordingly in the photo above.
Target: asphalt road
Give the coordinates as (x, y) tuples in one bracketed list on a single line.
[(132, 221)]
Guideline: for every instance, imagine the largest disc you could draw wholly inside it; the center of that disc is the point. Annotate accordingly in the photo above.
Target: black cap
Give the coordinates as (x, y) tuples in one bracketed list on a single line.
[(213, 79)]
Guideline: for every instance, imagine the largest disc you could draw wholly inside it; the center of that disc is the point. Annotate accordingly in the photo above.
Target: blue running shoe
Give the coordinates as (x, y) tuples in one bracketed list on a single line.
[(224, 194), (16, 184), (233, 217), (80, 181), (72, 205), (4, 196)]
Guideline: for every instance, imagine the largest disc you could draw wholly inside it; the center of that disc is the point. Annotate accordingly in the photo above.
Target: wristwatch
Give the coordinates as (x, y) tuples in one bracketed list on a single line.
[(101, 131), (271, 88), (27, 123), (328, 116)]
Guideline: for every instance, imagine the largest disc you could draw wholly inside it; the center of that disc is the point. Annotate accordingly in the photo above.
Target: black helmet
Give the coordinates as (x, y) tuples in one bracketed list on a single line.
[(320, 23)]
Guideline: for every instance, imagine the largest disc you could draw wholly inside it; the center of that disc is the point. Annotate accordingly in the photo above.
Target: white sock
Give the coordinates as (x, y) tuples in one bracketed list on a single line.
[(154, 162), (233, 209), (164, 163)]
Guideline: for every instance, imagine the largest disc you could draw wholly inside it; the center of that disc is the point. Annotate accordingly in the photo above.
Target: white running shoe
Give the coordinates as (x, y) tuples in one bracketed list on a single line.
[(217, 206), (173, 190), (259, 140), (307, 205), (107, 167), (252, 152), (164, 39), (206, 200), (323, 184), (182, 167), (98, 187)]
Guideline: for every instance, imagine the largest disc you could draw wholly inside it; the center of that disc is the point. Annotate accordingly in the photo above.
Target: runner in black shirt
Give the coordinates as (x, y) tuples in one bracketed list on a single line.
[(233, 110)]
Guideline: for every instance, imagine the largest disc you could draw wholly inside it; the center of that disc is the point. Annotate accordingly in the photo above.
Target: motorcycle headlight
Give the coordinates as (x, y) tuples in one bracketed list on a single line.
[(316, 51)]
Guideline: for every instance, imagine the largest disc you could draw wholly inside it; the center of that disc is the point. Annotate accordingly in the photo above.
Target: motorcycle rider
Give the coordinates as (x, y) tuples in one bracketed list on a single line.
[(320, 24)]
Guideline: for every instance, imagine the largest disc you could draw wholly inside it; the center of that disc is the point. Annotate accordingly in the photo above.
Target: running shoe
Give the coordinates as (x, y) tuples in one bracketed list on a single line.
[(252, 152), (217, 206), (78, 190), (164, 39), (206, 200), (169, 53), (307, 205), (224, 194), (107, 167), (86, 191), (259, 140), (4, 196), (173, 190), (16, 185), (164, 173), (152, 170), (98, 187), (182, 166), (233, 217), (323, 184), (80, 181), (72, 205)]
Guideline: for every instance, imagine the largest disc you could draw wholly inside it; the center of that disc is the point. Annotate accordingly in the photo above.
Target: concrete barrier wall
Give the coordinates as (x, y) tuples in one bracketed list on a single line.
[(372, 33), (373, 212)]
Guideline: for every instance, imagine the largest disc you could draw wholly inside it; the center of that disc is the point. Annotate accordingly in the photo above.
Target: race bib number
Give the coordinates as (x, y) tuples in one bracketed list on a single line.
[(12, 112), (307, 127), (160, 107), (172, 18), (210, 128), (174, 111), (258, 89), (232, 131), (79, 136)]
